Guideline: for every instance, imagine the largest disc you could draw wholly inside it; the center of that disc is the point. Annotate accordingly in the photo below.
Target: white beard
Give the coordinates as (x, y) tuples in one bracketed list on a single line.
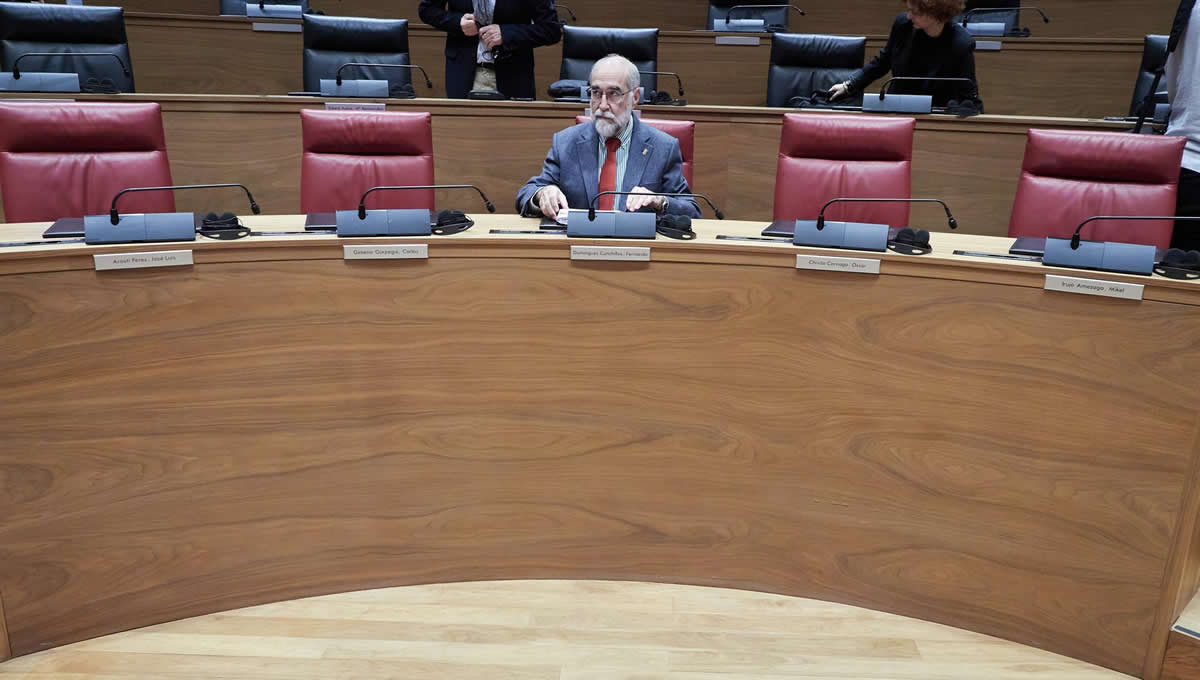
[(608, 127)]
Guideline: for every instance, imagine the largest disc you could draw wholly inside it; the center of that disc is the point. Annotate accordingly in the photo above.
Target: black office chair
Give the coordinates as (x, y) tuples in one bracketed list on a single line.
[(802, 64), (583, 46), (238, 7), (1154, 56), (774, 16), (64, 29), (330, 42)]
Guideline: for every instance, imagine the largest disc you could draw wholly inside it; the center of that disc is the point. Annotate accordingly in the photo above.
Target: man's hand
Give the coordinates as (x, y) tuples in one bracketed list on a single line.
[(838, 91), (550, 199), (642, 198), (490, 35), (468, 25)]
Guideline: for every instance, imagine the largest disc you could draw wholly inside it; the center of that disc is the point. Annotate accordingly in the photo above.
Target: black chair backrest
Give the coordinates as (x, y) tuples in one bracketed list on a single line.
[(330, 42), (802, 64), (1010, 18), (583, 46), (1154, 56), (774, 16), (35, 27), (238, 7)]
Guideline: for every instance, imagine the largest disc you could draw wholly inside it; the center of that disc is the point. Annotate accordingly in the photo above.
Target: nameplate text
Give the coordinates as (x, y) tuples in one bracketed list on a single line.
[(619, 253), (748, 40), (275, 28), (1113, 289), (163, 258), (355, 106), (988, 45), (403, 251), (853, 265)]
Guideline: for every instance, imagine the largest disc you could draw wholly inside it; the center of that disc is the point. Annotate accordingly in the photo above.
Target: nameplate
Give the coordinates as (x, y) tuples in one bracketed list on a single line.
[(355, 106), (619, 253), (406, 251), (1113, 289), (276, 28), (162, 258), (853, 265), (738, 40), (988, 45)]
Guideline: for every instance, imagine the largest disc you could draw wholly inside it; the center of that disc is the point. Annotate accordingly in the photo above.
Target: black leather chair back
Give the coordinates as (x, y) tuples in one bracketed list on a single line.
[(583, 46), (775, 16), (802, 64), (63, 29), (330, 42), (238, 7), (1154, 55), (1010, 18)]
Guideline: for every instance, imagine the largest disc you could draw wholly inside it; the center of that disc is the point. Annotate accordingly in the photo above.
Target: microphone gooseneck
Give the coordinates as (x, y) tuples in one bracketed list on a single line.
[(953, 223), (592, 206), (1075, 241), (338, 75), (115, 218), (17, 71), (362, 202), (731, 9)]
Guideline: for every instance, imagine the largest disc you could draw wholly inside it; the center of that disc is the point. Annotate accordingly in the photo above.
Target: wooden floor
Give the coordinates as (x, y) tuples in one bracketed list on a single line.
[(549, 630)]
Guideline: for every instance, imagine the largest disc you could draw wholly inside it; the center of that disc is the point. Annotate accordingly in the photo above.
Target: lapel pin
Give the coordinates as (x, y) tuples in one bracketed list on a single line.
[(645, 151)]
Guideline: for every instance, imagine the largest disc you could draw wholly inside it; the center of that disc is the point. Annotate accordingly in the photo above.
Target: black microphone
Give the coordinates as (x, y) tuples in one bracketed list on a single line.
[(666, 73), (428, 82), (573, 17), (592, 207), (889, 81), (362, 202), (821, 215), (1023, 32), (1136, 218), (115, 218), (17, 72), (727, 14)]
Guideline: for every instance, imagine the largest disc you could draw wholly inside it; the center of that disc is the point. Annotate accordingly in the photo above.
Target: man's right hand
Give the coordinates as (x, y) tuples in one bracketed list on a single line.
[(468, 25), (550, 199)]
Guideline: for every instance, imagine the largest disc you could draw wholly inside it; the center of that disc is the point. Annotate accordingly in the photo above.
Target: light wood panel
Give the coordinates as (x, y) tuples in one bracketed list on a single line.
[(551, 630), (1072, 78), (1070, 18), (5, 650), (1183, 658), (249, 431)]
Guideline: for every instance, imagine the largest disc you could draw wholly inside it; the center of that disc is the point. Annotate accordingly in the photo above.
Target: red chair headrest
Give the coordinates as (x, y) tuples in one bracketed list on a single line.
[(1104, 156), (366, 133), (33, 127), (847, 138)]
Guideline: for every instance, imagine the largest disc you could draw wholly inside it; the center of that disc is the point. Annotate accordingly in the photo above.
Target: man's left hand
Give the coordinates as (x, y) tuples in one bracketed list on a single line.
[(490, 35), (642, 198)]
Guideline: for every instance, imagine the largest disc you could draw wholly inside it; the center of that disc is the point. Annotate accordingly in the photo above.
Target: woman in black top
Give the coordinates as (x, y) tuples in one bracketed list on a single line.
[(924, 42)]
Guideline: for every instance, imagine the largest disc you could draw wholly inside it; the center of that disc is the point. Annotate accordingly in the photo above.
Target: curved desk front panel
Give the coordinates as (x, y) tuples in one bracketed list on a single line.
[(945, 441)]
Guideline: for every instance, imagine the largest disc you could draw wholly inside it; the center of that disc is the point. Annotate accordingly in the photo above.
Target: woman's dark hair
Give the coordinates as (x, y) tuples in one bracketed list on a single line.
[(941, 10)]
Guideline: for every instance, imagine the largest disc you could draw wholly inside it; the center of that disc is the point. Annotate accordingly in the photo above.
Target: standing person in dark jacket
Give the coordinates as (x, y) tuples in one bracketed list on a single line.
[(924, 42), (489, 43)]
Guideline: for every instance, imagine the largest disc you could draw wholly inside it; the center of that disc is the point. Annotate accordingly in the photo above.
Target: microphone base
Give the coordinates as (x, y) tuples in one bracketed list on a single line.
[(1122, 258), (611, 224), (842, 235), (139, 228), (384, 223)]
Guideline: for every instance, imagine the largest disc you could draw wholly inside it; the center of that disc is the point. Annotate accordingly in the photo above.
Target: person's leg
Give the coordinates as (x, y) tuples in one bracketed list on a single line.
[(1187, 234)]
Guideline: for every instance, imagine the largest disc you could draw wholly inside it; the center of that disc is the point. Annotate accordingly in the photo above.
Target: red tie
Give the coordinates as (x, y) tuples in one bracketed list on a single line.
[(608, 174)]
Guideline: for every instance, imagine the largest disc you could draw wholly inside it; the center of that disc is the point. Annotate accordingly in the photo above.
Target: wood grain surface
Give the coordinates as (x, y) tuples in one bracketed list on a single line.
[(550, 630), (972, 164), (995, 458), (1069, 18), (1183, 657), (1041, 76), (5, 650)]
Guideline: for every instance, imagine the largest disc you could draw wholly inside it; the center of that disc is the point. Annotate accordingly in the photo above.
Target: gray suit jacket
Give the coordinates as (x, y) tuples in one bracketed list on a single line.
[(574, 165)]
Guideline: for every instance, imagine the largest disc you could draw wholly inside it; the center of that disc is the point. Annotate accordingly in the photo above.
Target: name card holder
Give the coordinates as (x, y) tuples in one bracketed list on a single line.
[(39, 82), (354, 88), (164, 258), (611, 253), (740, 26), (847, 235), (139, 228), (1127, 258), (611, 224), (408, 222), (1113, 289), (898, 103), (852, 265)]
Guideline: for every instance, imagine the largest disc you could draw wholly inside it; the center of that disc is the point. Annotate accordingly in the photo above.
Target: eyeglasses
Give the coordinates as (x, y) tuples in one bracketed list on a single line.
[(612, 95)]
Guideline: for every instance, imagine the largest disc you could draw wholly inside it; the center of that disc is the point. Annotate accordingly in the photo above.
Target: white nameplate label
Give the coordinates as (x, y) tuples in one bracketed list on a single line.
[(356, 106), (988, 45), (855, 265), (403, 251), (620, 253), (163, 258), (1114, 289), (737, 40), (275, 28)]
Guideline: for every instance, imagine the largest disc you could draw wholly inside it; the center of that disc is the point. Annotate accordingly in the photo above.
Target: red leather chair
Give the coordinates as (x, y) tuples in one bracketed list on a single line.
[(68, 160), (683, 130), (1069, 176), (348, 152), (832, 156)]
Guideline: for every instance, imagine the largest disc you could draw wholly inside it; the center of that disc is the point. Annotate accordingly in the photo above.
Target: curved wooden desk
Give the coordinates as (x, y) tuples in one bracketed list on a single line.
[(946, 440)]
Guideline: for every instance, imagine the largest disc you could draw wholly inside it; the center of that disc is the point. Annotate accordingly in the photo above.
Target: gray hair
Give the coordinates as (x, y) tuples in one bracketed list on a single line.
[(633, 79)]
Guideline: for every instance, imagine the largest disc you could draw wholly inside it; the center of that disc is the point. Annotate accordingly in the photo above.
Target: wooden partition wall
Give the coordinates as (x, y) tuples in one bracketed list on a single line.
[(1040, 76), (1069, 18), (947, 440)]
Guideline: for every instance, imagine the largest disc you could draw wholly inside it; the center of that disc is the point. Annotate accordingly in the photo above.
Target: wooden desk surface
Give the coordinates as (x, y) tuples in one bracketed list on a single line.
[(1038, 76), (973, 164), (946, 441)]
